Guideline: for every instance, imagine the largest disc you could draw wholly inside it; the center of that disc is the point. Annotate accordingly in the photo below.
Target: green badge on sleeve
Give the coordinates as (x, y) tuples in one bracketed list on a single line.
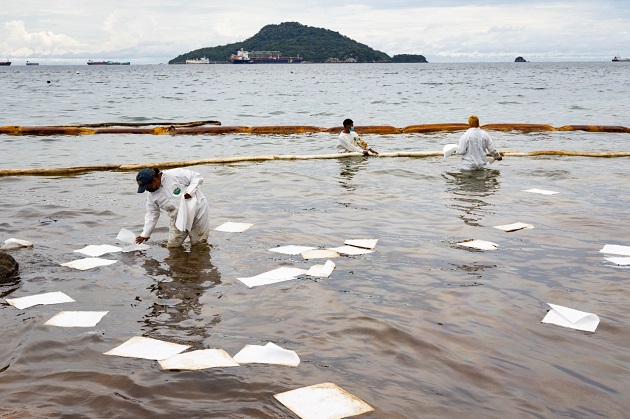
[(176, 191)]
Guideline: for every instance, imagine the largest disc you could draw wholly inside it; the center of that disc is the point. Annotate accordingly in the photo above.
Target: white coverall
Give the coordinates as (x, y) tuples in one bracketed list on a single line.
[(175, 183), (473, 145), (349, 143)]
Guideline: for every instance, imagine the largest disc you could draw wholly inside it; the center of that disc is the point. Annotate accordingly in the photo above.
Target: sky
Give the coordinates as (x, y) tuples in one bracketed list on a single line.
[(156, 31)]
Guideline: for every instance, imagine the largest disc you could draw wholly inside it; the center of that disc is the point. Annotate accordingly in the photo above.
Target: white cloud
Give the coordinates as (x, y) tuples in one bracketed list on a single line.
[(156, 31)]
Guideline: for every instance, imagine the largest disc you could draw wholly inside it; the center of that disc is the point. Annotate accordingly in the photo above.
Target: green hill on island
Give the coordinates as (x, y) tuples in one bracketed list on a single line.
[(292, 39)]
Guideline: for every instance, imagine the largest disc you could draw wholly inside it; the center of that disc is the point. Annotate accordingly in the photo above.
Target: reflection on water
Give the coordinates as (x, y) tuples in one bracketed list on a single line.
[(349, 167), (180, 280), (468, 189)]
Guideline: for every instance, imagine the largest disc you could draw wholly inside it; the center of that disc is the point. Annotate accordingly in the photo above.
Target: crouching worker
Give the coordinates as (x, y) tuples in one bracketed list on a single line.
[(175, 191), (349, 140)]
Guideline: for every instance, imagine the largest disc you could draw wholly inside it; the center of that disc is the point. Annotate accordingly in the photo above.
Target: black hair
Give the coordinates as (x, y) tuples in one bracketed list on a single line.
[(347, 122)]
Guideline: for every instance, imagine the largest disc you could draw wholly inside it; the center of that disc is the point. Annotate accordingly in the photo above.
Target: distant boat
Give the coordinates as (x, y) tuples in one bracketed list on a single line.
[(202, 60), (90, 62), (30, 63), (5, 62), (618, 58), (262, 57)]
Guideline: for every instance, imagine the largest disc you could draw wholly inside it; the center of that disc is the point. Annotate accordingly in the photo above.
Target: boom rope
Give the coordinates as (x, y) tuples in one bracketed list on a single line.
[(65, 171), (215, 128)]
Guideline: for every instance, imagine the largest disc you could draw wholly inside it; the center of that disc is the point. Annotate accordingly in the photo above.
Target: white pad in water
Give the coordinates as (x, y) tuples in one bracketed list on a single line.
[(322, 271), (514, 227), (616, 249), (449, 149), (323, 401), (623, 261), (88, 263), (199, 360), (126, 236), (479, 245), (320, 254), (271, 277), (33, 300), (363, 243), (14, 243), (291, 250), (574, 319), (147, 348), (231, 227), (350, 250), (541, 191), (267, 354), (76, 318), (98, 250)]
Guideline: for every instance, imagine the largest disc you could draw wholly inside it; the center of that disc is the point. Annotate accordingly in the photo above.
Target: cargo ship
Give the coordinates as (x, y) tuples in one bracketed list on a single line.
[(262, 57), (618, 58), (5, 62), (90, 62), (202, 60)]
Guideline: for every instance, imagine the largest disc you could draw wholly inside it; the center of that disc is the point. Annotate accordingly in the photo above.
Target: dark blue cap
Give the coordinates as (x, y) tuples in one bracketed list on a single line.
[(144, 177)]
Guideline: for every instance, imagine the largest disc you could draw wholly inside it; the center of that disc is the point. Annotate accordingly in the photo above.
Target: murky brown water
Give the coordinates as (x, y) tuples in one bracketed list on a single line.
[(420, 328)]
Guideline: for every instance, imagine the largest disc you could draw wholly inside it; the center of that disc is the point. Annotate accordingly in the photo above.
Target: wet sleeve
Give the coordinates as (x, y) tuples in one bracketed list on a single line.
[(463, 144), (347, 144), (150, 218), (490, 146)]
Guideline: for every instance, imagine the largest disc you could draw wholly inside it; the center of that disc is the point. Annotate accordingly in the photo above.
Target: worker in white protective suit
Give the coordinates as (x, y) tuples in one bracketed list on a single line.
[(473, 146), (175, 191), (349, 141)]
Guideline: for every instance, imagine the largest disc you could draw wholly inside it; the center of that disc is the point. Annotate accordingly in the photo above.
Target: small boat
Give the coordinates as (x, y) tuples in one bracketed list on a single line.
[(90, 62), (262, 57), (202, 60), (5, 62), (618, 58), (31, 63)]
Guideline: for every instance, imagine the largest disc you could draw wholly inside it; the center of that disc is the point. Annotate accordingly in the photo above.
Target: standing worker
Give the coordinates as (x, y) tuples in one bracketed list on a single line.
[(349, 140), (176, 192), (474, 144)]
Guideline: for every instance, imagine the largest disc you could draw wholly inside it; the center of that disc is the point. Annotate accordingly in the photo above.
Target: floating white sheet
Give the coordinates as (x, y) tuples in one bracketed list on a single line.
[(514, 227), (541, 191), (14, 243), (449, 149), (231, 227), (98, 250), (323, 401), (33, 300), (126, 236), (615, 249), (291, 250), (76, 318), (363, 243), (619, 261), (271, 277), (322, 271), (479, 244), (147, 348), (350, 250), (267, 354), (88, 263), (320, 254), (199, 360), (574, 319), (186, 213), (134, 247)]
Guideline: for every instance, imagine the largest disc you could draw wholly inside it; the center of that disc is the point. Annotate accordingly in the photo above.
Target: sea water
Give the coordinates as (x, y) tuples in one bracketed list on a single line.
[(419, 328)]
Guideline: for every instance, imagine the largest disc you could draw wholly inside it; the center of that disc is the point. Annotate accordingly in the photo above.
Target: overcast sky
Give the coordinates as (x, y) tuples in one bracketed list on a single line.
[(155, 31)]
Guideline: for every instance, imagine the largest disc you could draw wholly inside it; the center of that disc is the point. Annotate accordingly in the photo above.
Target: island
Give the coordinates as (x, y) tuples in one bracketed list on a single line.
[(520, 60), (292, 39)]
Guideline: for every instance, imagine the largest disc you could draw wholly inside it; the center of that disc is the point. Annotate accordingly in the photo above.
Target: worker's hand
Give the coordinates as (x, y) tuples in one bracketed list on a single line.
[(141, 239), (187, 196), (365, 152), (500, 157), (374, 151)]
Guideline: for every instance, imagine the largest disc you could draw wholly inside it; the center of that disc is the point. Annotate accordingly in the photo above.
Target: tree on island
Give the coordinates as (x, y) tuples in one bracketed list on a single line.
[(292, 39)]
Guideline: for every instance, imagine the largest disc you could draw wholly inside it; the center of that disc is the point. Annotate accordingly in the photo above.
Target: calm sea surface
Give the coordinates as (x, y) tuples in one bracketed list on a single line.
[(421, 328)]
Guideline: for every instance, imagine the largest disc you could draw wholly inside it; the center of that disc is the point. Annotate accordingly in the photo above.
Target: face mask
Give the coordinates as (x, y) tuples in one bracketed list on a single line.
[(351, 129), (151, 189)]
